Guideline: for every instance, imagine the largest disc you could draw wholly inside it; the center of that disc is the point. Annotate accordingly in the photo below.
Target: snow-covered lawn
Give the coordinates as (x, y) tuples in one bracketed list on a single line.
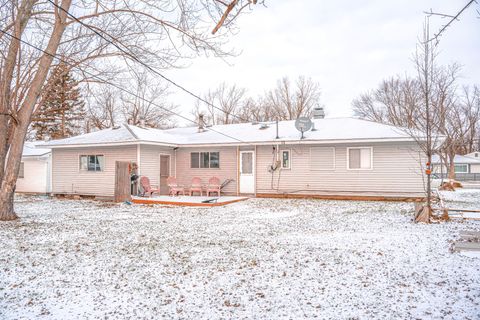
[(261, 259)]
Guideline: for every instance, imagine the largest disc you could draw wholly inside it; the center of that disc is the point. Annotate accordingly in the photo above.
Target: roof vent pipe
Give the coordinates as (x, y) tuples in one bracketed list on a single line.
[(201, 123), (318, 113), (276, 125)]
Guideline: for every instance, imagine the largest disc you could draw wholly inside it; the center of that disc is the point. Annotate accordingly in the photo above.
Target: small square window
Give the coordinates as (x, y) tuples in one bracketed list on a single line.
[(194, 160), (21, 172), (204, 160), (214, 160), (285, 159), (93, 163), (360, 158)]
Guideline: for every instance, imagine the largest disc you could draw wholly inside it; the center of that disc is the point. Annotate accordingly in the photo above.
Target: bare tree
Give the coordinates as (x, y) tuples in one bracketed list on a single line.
[(451, 19), (396, 101), (423, 106), (222, 105), (290, 102), (34, 32), (148, 108), (257, 110), (400, 101), (102, 109)]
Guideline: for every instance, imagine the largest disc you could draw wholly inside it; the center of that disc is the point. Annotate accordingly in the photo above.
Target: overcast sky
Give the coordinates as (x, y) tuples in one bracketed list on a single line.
[(346, 46)]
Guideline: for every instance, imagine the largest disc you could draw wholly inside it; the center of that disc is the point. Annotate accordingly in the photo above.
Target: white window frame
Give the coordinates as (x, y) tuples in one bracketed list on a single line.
[(88, 155), (289, 159), (200, 159), (334, 164), (463, 165), (360, 169)]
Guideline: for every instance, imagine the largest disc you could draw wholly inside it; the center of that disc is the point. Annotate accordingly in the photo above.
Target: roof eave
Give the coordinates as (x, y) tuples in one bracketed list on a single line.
[(305, 141), (110, 144)]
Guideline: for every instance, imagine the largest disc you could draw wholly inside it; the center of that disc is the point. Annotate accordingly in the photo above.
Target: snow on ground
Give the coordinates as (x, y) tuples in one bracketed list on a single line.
[(260, 258), (462, 198)]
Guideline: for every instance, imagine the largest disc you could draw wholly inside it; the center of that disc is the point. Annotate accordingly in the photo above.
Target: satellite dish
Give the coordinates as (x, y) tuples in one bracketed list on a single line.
[(303, 124)]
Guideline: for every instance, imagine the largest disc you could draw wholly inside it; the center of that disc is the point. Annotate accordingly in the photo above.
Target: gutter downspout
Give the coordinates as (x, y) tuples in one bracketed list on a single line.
[(238, 170), (256, 176), (138, 160), (175, 161)]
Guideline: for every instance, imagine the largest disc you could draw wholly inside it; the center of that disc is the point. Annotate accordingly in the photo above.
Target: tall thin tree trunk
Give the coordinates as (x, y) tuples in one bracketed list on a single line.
[(6, 209), (451, 168)]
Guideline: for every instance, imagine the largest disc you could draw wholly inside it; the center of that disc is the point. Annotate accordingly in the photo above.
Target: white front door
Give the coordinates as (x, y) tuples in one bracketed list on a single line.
[(247, 172)]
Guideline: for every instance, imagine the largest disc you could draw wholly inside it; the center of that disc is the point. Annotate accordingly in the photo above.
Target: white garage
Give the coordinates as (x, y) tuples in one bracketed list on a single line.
[(35, 169)]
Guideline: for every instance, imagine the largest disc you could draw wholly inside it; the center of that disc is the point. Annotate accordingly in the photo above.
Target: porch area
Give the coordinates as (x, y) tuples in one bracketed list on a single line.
[(188, 201)]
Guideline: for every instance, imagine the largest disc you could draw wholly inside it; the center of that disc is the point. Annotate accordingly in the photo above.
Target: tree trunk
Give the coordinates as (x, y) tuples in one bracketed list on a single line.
[(451, 170), (6, 199), (424, 215), (12, 155)]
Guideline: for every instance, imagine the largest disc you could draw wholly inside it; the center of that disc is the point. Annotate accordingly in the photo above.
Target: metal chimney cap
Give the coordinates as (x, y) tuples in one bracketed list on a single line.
[(318, 113)]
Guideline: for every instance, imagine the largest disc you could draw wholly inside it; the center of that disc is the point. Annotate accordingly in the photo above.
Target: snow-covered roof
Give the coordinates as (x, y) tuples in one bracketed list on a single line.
[(458, 160), (329, 130), (123, 134), (34, 149)]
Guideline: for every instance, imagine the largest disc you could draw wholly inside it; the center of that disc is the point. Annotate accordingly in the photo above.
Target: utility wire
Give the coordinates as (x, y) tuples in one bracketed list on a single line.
[(116, 86), (129, 53)]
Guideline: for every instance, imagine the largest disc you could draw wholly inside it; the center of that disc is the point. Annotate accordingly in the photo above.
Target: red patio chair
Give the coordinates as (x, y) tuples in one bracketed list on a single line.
[(214, 186), (196, 186), (175, 189), (147, 188)]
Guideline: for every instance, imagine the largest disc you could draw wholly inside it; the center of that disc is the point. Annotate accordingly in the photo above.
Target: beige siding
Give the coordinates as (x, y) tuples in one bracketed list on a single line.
[(227, 170), (475, 168), (67, 178), (396, 170), (35, 178), (150, 162)]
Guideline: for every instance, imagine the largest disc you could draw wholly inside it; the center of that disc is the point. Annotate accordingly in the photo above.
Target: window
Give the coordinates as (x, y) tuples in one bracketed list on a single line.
[(461, 168), (194, 160), (322, 158), (246, 165), (285, 159), (359, 158), (21, 172), (92, 163), (204, 160)]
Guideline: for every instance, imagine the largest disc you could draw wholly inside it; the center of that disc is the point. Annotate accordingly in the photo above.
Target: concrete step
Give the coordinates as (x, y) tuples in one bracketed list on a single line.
[(466, 246)]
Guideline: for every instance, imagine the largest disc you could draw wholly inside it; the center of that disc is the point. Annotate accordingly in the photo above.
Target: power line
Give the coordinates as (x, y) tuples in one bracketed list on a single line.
[(129, 53), (115, 85)]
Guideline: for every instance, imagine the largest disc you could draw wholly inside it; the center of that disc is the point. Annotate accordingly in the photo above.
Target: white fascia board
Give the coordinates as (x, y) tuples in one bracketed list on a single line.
[(110, 144)]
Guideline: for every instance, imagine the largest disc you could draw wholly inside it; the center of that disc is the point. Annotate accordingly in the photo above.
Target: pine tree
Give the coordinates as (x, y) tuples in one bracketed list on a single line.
[(61, 110)]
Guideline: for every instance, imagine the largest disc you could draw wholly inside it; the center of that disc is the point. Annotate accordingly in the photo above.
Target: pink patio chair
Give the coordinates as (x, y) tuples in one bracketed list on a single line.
[(175, 189), (147, 188), (214, 186), (196, 186)]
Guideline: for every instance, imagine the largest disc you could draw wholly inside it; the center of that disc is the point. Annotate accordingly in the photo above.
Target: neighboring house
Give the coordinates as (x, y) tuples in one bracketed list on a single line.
[(475, 155), (35, 169), (467, 164), (341, 157)]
